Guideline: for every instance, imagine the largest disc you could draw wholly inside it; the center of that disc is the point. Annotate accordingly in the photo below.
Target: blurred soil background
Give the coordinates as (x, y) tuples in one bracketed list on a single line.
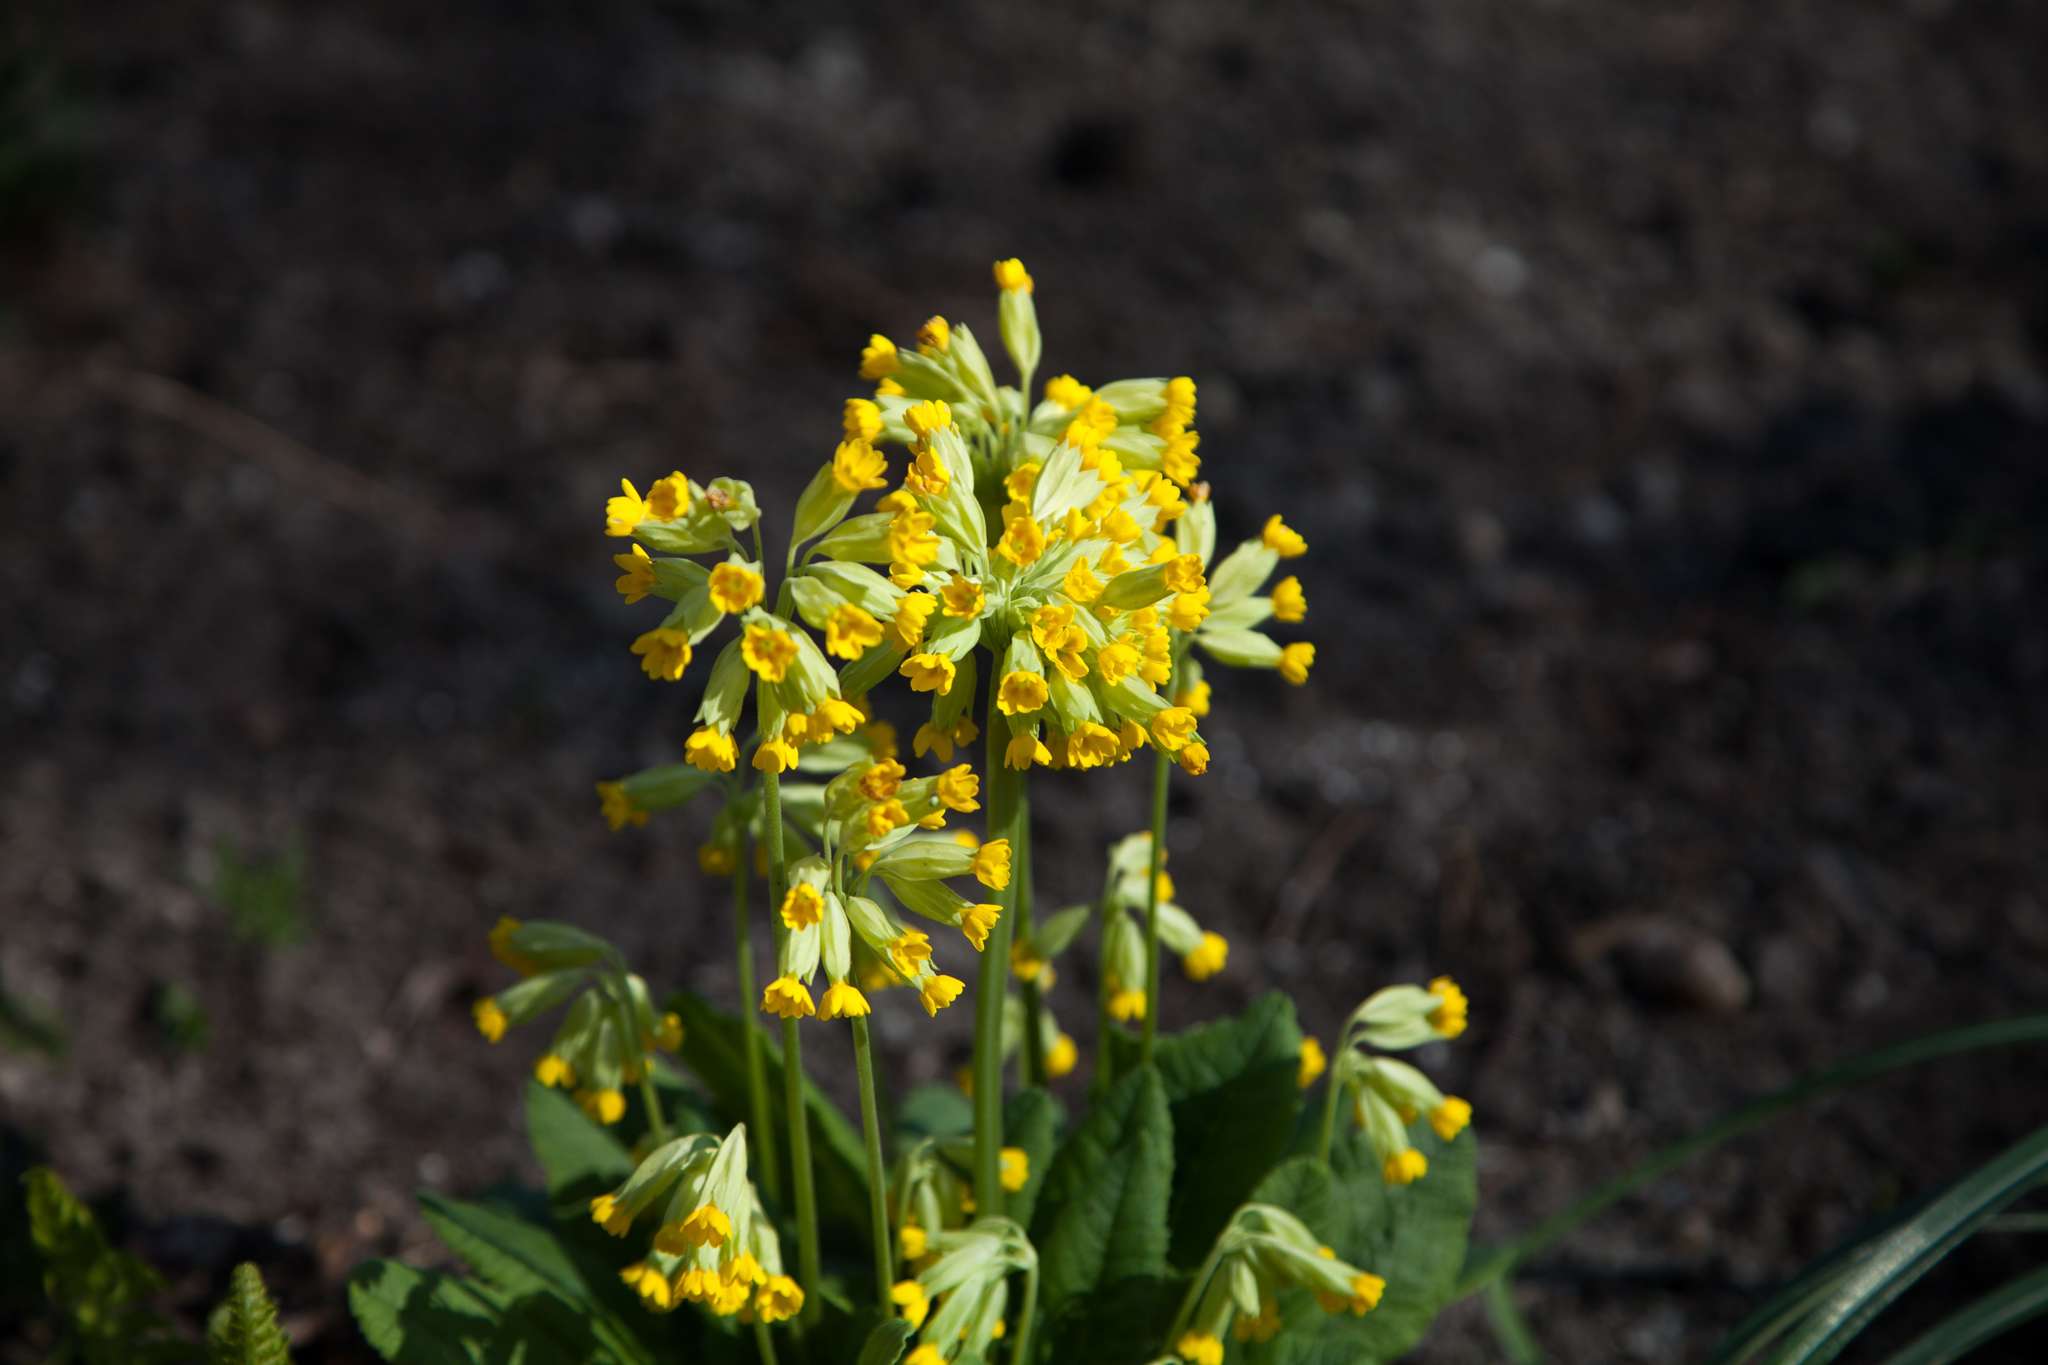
[(1661, 388)]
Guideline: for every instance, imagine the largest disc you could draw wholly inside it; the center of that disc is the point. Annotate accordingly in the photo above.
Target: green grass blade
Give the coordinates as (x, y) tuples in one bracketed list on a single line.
[(1796, 1300), (1484, 1268), (1914, 1249), (2001, 1310), (1517, 1343)]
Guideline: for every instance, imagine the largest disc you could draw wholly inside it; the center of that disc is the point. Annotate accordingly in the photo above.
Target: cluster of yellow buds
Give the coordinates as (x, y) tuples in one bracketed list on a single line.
[(1230, 633), (1263, 1251), (1389, 1095), (714, 1245), (610, 1034), (957, 1301)]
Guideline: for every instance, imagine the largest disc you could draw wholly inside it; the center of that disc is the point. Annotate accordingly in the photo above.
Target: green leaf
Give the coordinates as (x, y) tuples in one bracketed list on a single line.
[(244, 1330), (1793, 1303), (885, 1344), (1029, 1120), (934, 1111), (1102, 1211), (1123, 1321), (421, 1317), (580, 1159), (1913, 1249), (2011, 1304), (101, 1293)]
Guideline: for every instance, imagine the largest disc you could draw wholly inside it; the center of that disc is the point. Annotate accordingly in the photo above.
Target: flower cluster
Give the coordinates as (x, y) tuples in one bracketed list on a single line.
[(957, 1300), (608, 1037), (1388, 1095), (1230, 633), (1263, 1251)]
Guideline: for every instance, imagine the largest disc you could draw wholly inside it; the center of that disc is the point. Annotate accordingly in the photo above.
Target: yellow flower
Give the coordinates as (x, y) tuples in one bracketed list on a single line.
[(636, 575), (1313, 1063), (490, 1019), (1023, 539), (669, 498), (1091, 745), (935, 336), (768, 652), (881, 781), (1184, 574), (910, 949), (1126, 1005), (601, 1106), (1290, 603), (1116, 661), (835, 716), (1282, 539), (624, 512), (1016, 1168), (1193, 758), (1173, 727), (1195, 699), (1448, 1018), (697, 1285), (878, 358), (552, 1070), (862, 421), (926, 1354), (650, 1284), (888, 388), (911, 1241), (1404, 1167), (735, 588), (1011, 276), (1021, 693), (927, 417), (1066, 653), (957, 789), (977, 920), (926, 476), (1364, 1297), (606, 1213), (912, 612), (779, 1300), (856, 465), (963, 598), (1199, 1348), (1067, 391), (803, 906), (668, 1034), (939, 992), (1263, 1327), (967, 839), (928, 673), (1080, 583), (716, 860), (1061, 1056), (933, 739), (843, 1000), (992, 864), (911, 1301), (1451, 1117), (1207, 957), (1021, 480), (1188, 610), (617, 807), (708, 751), (1295, 660), (887, 816), (774, 756), (664, 653), (707, 1226), (1025, 750), (787, 998), (880, 737)]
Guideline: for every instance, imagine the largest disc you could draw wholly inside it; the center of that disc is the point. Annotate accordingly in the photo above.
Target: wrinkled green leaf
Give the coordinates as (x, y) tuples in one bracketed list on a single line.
[(422, 1317), (581, 1159), (102, 1294), (244, 1330), (934, 1111), (885, 1344), (1103, 1208)]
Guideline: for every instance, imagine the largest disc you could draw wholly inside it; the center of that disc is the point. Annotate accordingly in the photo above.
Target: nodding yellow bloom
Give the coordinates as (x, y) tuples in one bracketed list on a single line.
[(1193, 758), (1207, 957), (716, 860), (1184, 574), (1061, 1056), (1313, 1063), (668, 1033), (967, 838), (1282, 539), (1067, 391), (992, 864), (1066, 653), (1023, 539), (1049, 622), (664, 653), (502, 949), (1116, 661), (650, 1284), (734, 588), (856, 465), (697, 1285), (617, 807), (779, 1300), (1173, 727), (910, 949), (787, 998), (606, 1213), (926, 476), (843, 1000), (1179, 461), (888, 388), (1199, 1348), (1091, 746), (880, 737), (775, 756), (963, 598), (490, 1019), (708, 751), (1016, 1168), (1366, 1290), (926, 1354), (1448, 1018), (1451, 1117), (1263, 1327), (977, 920), (1295, 661), (1021, 693), (551, 1070), (912, 612), (939, 992), (636, 575), (1081, 584), (1012, 277), (731, 1297), (1126, 1005), (1026, 965), (933, 739), (927, 417), (928, 673), (601, 1106), (957, 789), (835, 716), (707, 1226), (1195, 699), (935, 336), (911, 1301), (861, 419), (669, 498), (1025, 750), (1290, 603), (803, 906), (886, 816), (1188, 610), (911, 1241), (1021, 480), (624, 512), (882, 780), (1404, 1167), (878, 358), (768, 652)]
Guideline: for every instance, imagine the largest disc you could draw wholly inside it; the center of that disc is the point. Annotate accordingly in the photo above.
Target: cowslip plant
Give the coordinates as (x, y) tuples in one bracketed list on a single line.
[(1040, 581)]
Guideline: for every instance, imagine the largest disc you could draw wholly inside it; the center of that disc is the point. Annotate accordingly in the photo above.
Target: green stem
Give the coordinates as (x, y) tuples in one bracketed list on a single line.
[(1161, 766), (1326, 1131), (1194, 1294), (656, 1124), (1005, 805), (878, 1199), (764, 1154), (793, 1075), (1020, 1350), (1105, 1064), (1033, 1065), (764, 1341)]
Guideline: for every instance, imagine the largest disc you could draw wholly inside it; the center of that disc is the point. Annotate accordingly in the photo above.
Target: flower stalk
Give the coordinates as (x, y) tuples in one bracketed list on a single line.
[(761, 1131), (1005, 812), (871, 1130), (793, 1075)]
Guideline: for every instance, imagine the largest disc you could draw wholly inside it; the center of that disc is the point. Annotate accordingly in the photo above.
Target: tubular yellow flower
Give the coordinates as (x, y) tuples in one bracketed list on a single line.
[(1025, 750), (601, 1106), (1179, 461), (1016, 1168), (490, 1019), (668, 1034), (606, 1213), (878, 358), (552, 1071), (1207, 957), (1021, 480), (707, 1226), (1448, 1018), (636, 575), (768, 652), (649, 1284), (1126, 1005), (1184, 574), (1023, 539), (1282, 539), (862, 421), (735, 588), (911, 1241), (716, 860), (933, 415), (1404, 1167), (935, 336), (1173, 727), (928, 673), (880, 737), (1067, 392), (779, 1300), (1186, 611), (1199, 1348), (1116, 661), (1066, 653), (888, 388), (911, 1301), (1451, 1117), (1263, 1327), (843, 1000), (669, 498), (1091, 746), (624, 512), (1290, 603), (933, 739), (664, 653), (1021, 693), (708, 751), (910, 949), (927, 1354), (1313, 1063), (886, 816), (803, 906), (1061, 1056), (881, 780), (977, 920), (775, 756), (957, 789), (912, 612), (502, 949), (939, 992), (787, 998), (1081, 584), (963, 598), (1012, 276), (617, 807), (856, 465), (1295, 661), (1193, 758), (992, 864), (1195, 699), (926, 476)]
